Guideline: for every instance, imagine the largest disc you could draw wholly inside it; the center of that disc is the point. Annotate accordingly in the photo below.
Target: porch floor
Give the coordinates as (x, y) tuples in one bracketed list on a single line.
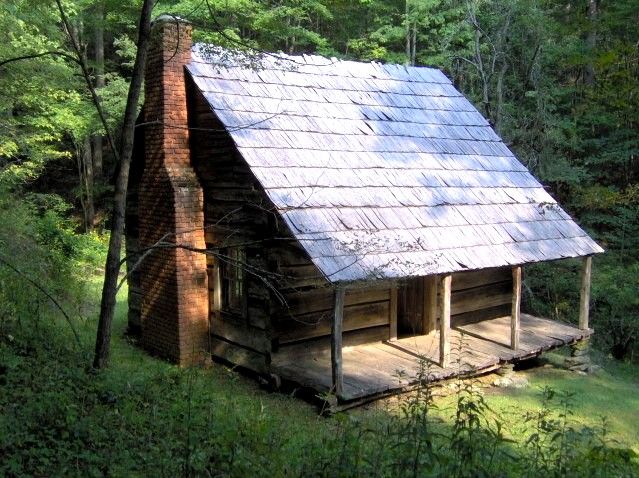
[(385, 367)]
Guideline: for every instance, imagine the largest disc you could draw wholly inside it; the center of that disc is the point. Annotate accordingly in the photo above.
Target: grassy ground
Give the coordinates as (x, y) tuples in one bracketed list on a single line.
[(608, 396), (144, 416), (611, 393)]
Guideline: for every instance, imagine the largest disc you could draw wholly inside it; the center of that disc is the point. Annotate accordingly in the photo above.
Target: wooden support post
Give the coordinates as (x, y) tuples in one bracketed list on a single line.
[(444, 320), (392, 334), (217, 287), (429, 317), (515, 313), (584, 303), (336, 343)]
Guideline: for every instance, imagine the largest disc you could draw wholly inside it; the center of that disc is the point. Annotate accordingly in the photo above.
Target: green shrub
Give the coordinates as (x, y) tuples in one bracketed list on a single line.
[(552, 290), (41, 252)]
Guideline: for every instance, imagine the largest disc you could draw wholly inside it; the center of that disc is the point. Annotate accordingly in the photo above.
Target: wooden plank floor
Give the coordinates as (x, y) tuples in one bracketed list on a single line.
[(384, 367)]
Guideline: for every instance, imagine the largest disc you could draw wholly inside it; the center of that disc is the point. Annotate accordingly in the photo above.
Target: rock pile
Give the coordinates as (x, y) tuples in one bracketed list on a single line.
[(579, 360)]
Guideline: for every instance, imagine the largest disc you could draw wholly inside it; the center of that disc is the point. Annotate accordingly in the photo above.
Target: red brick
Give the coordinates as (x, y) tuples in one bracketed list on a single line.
[(174, 315)]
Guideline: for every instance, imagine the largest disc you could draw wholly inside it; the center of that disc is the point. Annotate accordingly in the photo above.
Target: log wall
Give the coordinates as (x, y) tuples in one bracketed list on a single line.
[(308, 314), (305, 309), (480, 295), (236, 213)]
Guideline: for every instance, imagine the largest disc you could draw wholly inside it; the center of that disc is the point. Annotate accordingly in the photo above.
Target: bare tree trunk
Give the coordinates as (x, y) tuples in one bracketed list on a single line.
[(112, 267), (79, 153), (86, 180), (86, 177), (413, 52), (483, 75), (591, 42), (98, 40), (500, 56), (499, 110), (408, 37)]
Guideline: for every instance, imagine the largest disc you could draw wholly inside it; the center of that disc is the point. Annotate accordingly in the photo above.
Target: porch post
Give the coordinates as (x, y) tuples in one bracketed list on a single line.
[(584, 303), (515, 313), (392, 330), (444, 320), (336, 342)]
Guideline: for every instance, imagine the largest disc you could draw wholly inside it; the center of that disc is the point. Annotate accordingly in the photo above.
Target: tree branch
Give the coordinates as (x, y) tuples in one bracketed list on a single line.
[(80, 60), (45, 292), (39, 55)]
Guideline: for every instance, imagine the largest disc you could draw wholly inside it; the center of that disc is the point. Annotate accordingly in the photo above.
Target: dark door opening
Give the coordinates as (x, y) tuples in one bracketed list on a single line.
[(413, 307)]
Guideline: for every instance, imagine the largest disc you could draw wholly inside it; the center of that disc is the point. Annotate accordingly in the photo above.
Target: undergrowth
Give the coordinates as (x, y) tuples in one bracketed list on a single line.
[(144, 417)]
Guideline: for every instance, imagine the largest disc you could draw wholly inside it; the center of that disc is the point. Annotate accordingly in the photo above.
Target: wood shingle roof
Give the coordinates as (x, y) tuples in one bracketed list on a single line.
[(383, 171)]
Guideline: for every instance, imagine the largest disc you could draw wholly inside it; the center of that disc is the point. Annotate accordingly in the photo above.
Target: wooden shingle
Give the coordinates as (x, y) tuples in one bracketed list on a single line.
[(383, 171)]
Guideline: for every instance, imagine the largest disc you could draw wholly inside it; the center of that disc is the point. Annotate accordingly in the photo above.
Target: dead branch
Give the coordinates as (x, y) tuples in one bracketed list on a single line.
[(39, 55), (10, 266)]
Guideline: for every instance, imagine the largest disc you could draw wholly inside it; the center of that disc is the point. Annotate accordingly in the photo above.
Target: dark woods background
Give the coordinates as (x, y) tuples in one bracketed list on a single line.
[(559, 80)]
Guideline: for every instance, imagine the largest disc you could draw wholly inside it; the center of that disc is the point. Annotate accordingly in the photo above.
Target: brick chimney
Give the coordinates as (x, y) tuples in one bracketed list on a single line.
[(174, 314)]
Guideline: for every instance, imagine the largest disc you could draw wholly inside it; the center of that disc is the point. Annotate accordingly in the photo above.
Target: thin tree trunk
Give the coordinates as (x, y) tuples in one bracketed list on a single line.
[(499, 110), (482, 75), (87, 180), (408, 37), (98, 40), (591, 42), (413, 53), (112, 267), (79, 152)]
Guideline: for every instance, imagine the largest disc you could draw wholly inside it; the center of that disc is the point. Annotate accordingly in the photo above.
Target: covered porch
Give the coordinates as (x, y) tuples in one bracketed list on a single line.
[(380, 368), (354, 368)]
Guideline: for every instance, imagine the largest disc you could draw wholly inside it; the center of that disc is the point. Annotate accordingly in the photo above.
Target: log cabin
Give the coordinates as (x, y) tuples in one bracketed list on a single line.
[(330, 223)]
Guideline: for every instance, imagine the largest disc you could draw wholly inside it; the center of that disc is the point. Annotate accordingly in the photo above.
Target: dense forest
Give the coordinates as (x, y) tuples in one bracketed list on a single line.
[(557, 79)]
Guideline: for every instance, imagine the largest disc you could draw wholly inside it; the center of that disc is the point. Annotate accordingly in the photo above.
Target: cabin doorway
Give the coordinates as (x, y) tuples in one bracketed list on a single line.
[(413, 307)]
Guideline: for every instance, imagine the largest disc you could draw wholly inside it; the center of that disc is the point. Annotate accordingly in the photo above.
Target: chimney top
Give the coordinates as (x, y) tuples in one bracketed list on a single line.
[(169, 18)]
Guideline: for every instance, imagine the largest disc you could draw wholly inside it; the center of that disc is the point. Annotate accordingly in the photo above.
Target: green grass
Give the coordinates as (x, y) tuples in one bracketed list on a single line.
[(611, 393), (142, 416)]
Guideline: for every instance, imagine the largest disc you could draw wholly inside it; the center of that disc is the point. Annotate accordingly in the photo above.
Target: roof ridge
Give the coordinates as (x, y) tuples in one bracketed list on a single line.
[(312, 60)]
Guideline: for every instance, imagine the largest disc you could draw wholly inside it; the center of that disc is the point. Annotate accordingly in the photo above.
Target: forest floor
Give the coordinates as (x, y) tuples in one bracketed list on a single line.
[(141, 410)]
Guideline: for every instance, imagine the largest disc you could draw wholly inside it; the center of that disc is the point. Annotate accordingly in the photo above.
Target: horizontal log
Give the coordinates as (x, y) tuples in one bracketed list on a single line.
[(319, 300), (297, 276), (250, 221), (240, 333), (365, 336), (479, 315), (467, 280), (319, 345), (257, 290), (241, 356), (258, 317), (289, 254), (477, 298), (319, 323), (225, 196)]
